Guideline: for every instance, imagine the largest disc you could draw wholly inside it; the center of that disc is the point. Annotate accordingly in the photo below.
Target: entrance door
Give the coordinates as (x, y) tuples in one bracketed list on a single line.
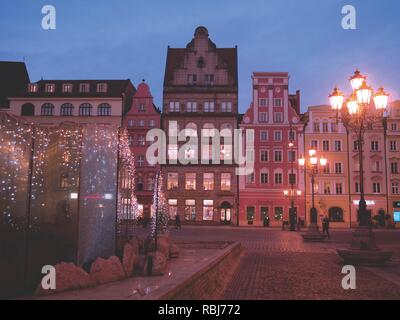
[(226, 215)]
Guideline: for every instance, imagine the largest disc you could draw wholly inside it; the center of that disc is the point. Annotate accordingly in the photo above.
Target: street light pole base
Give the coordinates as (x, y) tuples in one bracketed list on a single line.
[(363, 250), (313, 234)]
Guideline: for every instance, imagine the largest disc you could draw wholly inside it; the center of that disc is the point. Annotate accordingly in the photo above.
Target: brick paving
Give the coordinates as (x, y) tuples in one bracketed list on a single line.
[(279, 265)]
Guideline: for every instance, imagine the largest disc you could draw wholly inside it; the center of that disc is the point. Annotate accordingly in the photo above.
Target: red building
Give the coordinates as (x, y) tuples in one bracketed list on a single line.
[(274, 115), (142, 117)]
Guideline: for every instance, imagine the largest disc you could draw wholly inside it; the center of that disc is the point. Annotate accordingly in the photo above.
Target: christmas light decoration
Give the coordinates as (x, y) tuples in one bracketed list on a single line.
[(159, 209)]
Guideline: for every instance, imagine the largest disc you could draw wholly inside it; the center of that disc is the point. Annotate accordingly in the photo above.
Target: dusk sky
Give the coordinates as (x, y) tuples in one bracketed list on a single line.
[(128, 39)]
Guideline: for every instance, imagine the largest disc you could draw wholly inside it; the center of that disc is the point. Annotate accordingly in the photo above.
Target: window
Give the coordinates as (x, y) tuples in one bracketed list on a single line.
[(334, 127), (250, 213), (377, 166), (226, 106), (264, 155), (226, 152), (394, 168), (326, 169), (292, 135), (335, 214), (104, 109), (28, 109), (278, 178), (374, 146), (316, 127), (67, 109), (173, 151), (141, 140), (292, 178), (264, 135), (208, 209), (355, 145), (174, 106), (263, 102), (173, 208), (278, 213), (150, 182), (225, 182), (264, 178), (64, 181), (395, 188), (208, 130), (190, 181), (67, 88), (131, 140), (277, 155), (394, 126), (393, 145), (192, 78), (84, 87), (262, 117), (85, 109), (376, 187), (338, 145), (139, 184), (208, 181), (338, 168), (209, 79), (325, 145), (32, 87), (191, 106), (327, 187), (173, 128), (292, 156), (314, 144), (339, 188), (357, 187), (278, 135), (142, 107), (278, 118), (172, 181), (49, 87), (191, 129), (152, 123), (277, 102), (325, 127), (208, 106), (141, 123), (102, 87), (47, 109), (250, 178), (140, 161), (190, 210)]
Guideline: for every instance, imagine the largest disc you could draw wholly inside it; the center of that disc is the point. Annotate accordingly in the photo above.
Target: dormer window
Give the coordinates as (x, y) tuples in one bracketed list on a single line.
[(102, 87), (209, 79), (67, 88), (33, 87), (200, 62), (49, 87), (84, 87), (192, 79), (142, 107)]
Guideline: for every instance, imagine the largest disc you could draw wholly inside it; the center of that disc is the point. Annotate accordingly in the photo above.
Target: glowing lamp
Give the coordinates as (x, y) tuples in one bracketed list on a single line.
[(302, 162), (352, 104), (381, 99), (364, 94), (322, 161), (357, 79), (313, 160), (336, 98), (298, 192), (312, 152), (285, 192)]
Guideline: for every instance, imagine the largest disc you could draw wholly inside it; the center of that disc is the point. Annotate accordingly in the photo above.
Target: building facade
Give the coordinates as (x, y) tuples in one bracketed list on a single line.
[(201, 95), (142, 117), (274, 115), (328, 136), (51, 102)]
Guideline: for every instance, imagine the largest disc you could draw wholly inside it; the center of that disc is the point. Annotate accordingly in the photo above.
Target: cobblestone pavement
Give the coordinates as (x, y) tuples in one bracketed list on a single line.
[(279, 265)]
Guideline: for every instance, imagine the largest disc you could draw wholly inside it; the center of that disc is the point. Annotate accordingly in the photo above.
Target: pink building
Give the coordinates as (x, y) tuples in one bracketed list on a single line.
[(142, 117), (274, 115)]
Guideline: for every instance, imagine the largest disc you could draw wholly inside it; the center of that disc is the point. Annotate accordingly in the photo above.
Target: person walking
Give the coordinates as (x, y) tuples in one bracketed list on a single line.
[(325, 227), (178, 222)]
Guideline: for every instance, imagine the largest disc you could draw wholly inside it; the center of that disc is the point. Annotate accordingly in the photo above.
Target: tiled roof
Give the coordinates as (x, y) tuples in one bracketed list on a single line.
[(13, 79)]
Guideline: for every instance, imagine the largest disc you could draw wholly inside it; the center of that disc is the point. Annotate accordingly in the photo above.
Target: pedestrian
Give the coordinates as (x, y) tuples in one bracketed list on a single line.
[(177, 222), (325, 227)]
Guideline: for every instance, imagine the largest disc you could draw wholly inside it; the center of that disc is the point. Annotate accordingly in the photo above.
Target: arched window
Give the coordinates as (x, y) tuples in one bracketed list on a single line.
[(208, 130), (150, 182), (85, 109), (67, 109), (191, 129), (28, 109), (104, 109), (47, 109), (335, 214)]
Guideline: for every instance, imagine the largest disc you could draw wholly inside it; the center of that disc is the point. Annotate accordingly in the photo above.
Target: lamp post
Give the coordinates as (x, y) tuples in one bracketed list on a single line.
[(292, 193), (292, 210), (358, 114), (311, 165)]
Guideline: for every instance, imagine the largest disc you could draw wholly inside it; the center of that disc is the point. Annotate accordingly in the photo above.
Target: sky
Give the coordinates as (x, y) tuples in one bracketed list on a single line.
[(123, 39)]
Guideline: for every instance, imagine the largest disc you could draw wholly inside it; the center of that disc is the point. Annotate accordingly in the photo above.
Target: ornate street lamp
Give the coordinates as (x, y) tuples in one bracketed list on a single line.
[(357, 114), (292, 210), (311, 165)]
